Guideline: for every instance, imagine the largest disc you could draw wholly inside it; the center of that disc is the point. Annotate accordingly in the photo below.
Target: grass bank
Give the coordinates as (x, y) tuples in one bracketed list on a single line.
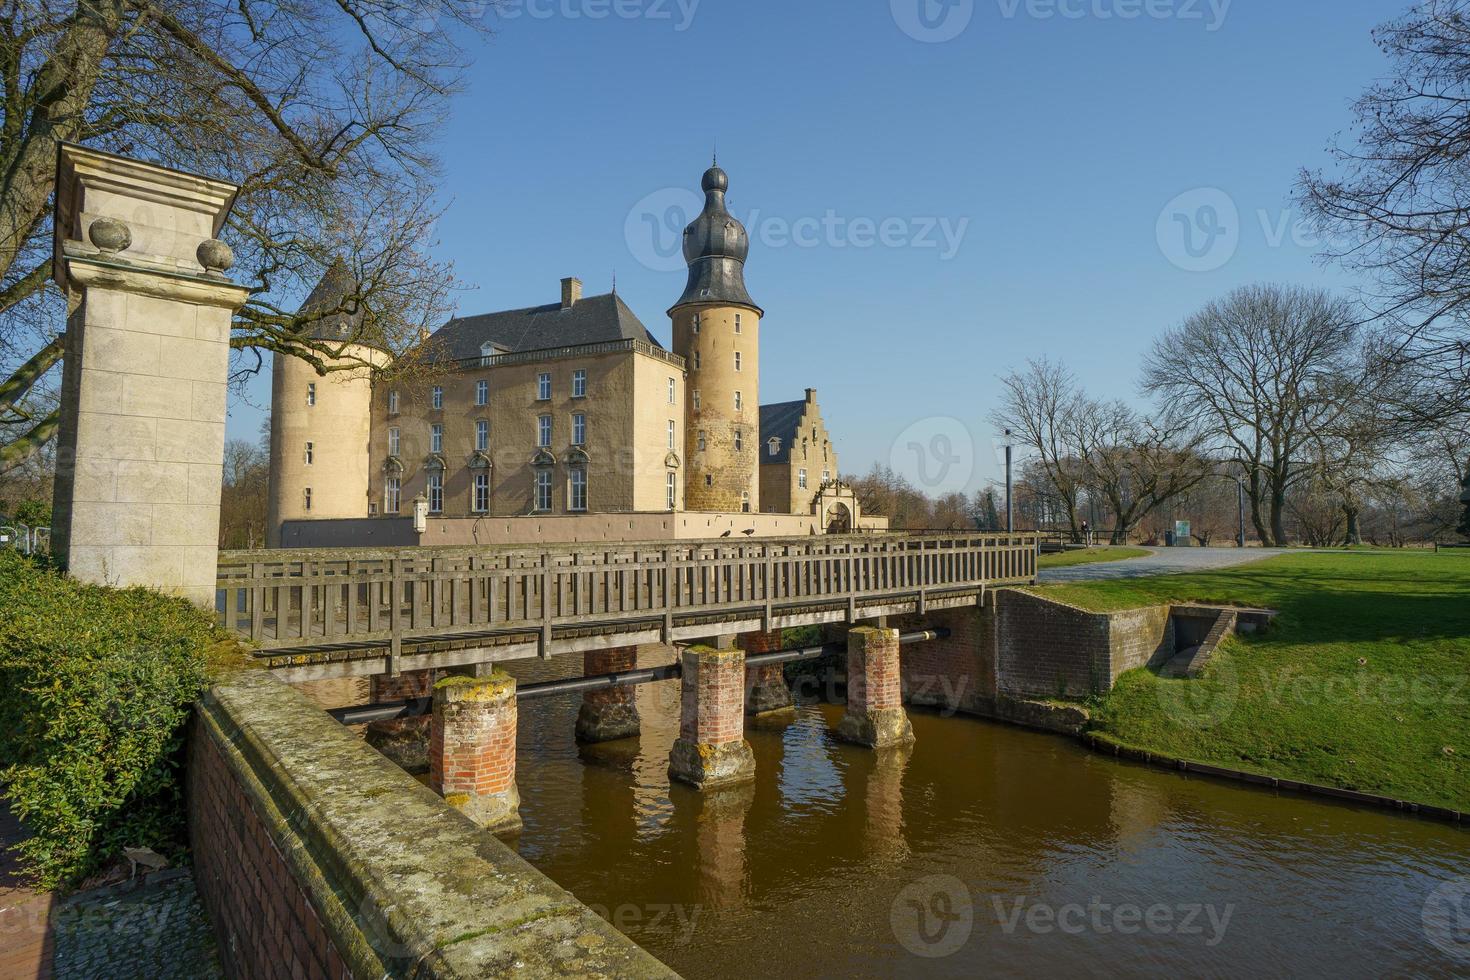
[(1363, 682), (1088, 556)]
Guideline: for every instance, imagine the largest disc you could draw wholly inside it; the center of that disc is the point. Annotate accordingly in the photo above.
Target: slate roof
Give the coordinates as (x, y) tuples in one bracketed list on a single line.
[(781, 420), (336, 283), (593, 320)]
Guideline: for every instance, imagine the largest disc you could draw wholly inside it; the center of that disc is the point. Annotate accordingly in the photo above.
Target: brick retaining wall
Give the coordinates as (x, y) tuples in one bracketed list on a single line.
[(316, 857), (1049, 649)]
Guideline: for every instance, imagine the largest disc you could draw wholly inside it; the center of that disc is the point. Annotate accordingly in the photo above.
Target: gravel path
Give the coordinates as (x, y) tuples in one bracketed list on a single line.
[(1162, 561)]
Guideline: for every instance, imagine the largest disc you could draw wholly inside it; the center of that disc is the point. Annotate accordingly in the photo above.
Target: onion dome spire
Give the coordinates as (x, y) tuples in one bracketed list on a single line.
[(715, 246)]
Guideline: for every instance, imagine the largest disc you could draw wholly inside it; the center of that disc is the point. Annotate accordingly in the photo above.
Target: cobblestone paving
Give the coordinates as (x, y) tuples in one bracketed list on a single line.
[(155, 931), (1163, 561)]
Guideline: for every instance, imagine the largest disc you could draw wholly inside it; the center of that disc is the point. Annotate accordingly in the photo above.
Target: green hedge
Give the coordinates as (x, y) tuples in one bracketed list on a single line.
[(95, 687)]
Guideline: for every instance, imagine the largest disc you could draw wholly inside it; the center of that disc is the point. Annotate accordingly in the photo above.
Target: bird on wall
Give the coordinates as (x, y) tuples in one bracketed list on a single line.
[(748, 531), (725, 535)]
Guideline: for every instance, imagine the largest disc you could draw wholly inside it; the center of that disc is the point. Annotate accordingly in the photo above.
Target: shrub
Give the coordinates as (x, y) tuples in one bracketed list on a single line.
[(95, 687)]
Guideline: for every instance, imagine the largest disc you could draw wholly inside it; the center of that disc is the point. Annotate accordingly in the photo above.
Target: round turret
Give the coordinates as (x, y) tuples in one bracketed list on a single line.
[(717, 332)]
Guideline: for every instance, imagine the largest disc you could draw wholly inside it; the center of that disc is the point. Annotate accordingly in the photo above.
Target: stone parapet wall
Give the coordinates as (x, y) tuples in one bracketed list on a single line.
[(317, 857)]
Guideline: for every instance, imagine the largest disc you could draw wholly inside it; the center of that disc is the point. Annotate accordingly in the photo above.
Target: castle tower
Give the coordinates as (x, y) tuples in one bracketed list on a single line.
[(716, 329), (321, 424)]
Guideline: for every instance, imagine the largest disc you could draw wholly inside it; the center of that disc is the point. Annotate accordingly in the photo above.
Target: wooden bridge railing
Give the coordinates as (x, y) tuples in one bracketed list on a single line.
[(282, 600)]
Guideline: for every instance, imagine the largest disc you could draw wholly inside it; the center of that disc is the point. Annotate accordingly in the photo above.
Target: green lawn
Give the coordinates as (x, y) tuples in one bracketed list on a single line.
[(1362, 683), (1088, 556)]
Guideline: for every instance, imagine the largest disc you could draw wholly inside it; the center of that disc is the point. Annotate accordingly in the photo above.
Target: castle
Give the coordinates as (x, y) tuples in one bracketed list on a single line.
[(567, 421)]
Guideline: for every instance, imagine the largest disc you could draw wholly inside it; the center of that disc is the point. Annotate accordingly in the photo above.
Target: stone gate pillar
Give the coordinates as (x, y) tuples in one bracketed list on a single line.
[(875, 714), (711, 749), (472, 748), (610, 714), (141, 441)]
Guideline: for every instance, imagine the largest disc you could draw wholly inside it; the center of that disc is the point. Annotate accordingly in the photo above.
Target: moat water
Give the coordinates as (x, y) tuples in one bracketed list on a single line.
[(982, 850)]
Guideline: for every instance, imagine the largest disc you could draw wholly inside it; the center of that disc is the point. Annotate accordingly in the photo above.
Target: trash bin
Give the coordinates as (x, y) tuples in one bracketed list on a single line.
[(1168, 539)]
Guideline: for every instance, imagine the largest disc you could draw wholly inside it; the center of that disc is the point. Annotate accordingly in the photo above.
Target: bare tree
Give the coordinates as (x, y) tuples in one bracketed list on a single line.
[(1039, 405), (1398, 202), (323, 111), (1260, 372)]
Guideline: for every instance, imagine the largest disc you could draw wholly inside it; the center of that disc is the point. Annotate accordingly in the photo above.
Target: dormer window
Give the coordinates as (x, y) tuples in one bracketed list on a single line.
[(774, 445)]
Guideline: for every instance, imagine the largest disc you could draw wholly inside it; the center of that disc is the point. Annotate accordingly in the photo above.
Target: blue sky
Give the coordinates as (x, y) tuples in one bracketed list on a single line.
[(937, 189)]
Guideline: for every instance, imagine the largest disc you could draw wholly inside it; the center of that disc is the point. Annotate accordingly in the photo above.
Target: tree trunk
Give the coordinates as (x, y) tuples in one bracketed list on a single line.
[(1278, 517), (1354, 534)]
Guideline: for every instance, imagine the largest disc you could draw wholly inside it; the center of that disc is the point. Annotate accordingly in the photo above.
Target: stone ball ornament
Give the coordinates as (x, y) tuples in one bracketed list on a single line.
[(214, 255), (110, 235)]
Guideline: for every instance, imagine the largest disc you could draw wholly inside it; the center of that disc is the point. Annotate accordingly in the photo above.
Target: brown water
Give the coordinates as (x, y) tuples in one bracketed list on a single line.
[(983, 850)]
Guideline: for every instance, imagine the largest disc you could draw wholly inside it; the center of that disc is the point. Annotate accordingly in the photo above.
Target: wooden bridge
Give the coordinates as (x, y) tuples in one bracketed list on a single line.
[(358, 612)]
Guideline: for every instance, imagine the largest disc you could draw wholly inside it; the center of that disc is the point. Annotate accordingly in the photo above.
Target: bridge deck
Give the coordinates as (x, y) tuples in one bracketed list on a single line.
[(344, 612)]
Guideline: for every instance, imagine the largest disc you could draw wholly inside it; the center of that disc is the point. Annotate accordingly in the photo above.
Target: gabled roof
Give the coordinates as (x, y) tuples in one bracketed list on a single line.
[(593, 320), (780, 421)]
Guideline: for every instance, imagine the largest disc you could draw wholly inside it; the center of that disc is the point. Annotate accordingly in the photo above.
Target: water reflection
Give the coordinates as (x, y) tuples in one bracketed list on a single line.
[(1062, 859)]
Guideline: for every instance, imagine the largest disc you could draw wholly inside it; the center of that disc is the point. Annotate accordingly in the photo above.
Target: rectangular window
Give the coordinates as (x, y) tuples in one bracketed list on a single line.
[(701, 440), (826, 476), (737, 322), (436, 492), (737, 360), (393, 442), (437, 397), (482, 492), (310, 454), (482, 435), (543, 387), (436, 438), (392, 495), (775, 447), (579, 384), (543, 489), (696, 360), (739, 402), (672, 387), (696, 399), (578, 489), (311, 393), (696, 323), (482, 392), (543, 431), (671, 433), (306, 497), (671, 490), (579, 429), (392, 403), (801, 479), (739, 440), (745, 501)]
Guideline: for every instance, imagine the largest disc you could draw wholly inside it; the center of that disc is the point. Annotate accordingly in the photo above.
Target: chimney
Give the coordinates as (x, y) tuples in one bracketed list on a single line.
[(571, 292), (811, 396)]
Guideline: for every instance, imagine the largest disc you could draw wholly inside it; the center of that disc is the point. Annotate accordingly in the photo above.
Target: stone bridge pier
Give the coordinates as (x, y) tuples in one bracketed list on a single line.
[(875, 716), (711, 750), (472, 748)]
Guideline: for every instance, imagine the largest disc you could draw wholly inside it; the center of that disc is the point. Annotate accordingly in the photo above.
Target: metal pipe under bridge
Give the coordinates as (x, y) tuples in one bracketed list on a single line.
[(352, 612)]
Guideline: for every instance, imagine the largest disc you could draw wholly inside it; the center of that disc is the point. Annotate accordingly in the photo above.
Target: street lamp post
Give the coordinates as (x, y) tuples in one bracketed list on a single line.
[(1010, 496)]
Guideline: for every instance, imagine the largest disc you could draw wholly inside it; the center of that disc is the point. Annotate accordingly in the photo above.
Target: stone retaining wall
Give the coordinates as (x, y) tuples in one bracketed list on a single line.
[(317, 857)]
